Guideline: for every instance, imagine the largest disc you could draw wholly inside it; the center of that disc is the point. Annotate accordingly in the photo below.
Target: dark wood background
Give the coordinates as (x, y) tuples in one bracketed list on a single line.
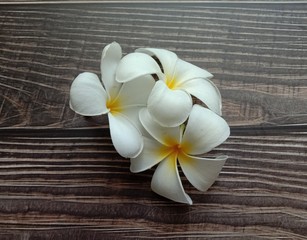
[(60, 177)]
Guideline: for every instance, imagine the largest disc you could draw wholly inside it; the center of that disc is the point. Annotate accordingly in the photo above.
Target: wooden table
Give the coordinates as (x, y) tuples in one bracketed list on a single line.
[(60, 177)]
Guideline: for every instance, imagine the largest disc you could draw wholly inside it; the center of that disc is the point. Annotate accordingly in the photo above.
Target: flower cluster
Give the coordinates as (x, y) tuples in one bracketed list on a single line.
[(148, 96)]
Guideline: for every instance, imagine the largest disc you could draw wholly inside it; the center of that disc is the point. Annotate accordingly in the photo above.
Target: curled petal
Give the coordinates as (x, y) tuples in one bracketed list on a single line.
[(153, 152), (186, 71), (167, 183), (110, 58), (135, 65), (167, 58), (164, 135), (132, 113), (201, 172), (87, 96), (205, 130), (206, 91), (168, 107), (136, 92), (126, 138)]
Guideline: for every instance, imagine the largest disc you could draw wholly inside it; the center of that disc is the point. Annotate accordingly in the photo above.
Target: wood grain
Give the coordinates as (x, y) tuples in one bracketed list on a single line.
[(257, 54), (60, 177), (142, 1), (70, 183)]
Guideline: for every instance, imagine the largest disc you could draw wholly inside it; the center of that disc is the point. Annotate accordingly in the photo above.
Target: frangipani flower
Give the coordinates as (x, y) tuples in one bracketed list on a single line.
[(122, 102), (204, 131), (170, 101)]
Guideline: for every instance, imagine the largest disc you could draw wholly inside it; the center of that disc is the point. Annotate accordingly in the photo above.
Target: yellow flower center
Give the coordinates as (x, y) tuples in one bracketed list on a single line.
[(171, 82), (114, 105), (179, 148), (172, 147), (176, 149)]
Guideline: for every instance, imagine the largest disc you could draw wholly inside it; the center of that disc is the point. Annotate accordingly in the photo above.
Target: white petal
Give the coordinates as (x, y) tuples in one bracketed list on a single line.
[(132, 113), (136, 92), (164, 135), (201, 172), (126, 138), (110, 58), (133, 97), (167, 58), (206, 91), (168, 107), (186, 71), (153, 152), (205, 130), (87, 96), (135, 65), (167, 183)]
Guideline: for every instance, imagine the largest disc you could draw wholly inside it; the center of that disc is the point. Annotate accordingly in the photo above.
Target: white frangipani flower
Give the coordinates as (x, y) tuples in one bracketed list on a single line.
[(204, 131), (170, 101), (122, 102)]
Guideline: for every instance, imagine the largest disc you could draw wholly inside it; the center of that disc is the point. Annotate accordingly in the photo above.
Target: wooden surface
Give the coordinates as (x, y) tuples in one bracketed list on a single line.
[(60, 177)]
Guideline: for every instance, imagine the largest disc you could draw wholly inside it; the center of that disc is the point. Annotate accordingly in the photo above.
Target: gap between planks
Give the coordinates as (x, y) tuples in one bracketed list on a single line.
[(150, 2)]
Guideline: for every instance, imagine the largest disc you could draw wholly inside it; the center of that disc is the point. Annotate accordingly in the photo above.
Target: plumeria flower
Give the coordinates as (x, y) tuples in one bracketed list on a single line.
[(120, 101), (170, 101), (170, 145)]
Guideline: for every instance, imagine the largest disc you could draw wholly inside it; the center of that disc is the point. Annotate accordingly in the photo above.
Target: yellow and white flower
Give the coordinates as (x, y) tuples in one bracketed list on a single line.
[(184, 144), (170, 101), (121, 101), (155, 122)]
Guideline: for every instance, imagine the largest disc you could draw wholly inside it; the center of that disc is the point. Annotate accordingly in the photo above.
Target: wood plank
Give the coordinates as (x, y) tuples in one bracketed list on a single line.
[(71, 183), (141, 1), (256, 52)]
